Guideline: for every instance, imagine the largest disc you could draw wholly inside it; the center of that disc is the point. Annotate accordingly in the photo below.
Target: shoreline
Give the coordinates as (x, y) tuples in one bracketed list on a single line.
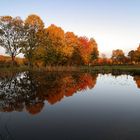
[(103, 68)]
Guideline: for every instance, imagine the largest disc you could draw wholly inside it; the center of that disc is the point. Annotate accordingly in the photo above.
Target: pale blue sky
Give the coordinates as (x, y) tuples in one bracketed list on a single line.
[(113, 23)]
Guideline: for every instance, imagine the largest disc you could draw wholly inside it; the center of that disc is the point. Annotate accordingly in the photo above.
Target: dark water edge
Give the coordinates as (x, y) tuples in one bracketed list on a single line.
[(69, 105)]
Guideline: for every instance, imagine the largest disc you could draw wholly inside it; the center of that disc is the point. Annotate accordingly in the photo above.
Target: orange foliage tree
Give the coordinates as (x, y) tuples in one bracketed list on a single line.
[(88, 49), (47, 46), (34, 32), (55, 45), (118, 56)]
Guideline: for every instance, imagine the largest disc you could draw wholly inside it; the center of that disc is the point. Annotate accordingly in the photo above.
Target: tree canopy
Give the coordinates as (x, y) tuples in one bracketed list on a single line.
[(42, 46)]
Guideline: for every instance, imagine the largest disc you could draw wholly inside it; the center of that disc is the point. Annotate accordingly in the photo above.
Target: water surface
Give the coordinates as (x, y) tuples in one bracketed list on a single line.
[(69, 106)]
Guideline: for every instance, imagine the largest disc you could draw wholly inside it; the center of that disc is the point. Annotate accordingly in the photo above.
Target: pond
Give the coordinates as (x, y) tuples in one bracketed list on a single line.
[(69, 106)]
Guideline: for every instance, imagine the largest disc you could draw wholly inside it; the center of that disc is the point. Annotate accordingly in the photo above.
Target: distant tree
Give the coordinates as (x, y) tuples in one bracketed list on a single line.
[(11, 35), (134, 55), (34, 28), (118, 56), (137, 55), (131, 56), (104, 58)]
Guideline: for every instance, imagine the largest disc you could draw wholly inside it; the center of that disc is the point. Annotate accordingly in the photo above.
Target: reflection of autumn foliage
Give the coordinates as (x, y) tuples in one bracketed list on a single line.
[(30, 90), (85, 81), (137, 80), (34, 108), (64, 85), (9, 107)]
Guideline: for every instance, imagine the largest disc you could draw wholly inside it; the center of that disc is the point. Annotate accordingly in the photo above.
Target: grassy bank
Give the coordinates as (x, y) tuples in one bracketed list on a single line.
[(96, 69), (13, 69), (134, 69)]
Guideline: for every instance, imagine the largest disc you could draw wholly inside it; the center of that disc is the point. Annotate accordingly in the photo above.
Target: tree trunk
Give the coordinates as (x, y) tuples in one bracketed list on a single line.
[(13, 60), (30, 63)]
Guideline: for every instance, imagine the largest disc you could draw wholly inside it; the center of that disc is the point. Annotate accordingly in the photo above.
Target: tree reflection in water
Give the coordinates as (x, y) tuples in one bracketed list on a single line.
[(137, 80), (29, 90)]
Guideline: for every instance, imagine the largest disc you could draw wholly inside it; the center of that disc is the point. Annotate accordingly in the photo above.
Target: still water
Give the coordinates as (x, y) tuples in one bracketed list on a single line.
[(69, 106)]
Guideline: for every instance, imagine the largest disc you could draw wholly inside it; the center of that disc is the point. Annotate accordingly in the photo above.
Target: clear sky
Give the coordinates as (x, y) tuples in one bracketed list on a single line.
[(113, 23)]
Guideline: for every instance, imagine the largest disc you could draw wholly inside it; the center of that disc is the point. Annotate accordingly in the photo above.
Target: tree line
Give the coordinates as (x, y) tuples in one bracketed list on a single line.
[(44, 46), (118, 57)]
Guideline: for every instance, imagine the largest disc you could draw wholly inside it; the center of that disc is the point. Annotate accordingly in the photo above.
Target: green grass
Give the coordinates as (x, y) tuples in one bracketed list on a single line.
[(134, 69), (95, 69), (13, 69)]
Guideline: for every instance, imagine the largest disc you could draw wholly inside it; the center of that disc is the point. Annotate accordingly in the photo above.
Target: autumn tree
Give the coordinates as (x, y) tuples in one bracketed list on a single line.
[(118, 56), (84, 49), (34, 28), (55, 45), (76, 58), (11, 35), (137, 55), (95, 51), (71, 48), (88, 49), (134, 55), (103, 59), (131, 56), (50, 46)]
